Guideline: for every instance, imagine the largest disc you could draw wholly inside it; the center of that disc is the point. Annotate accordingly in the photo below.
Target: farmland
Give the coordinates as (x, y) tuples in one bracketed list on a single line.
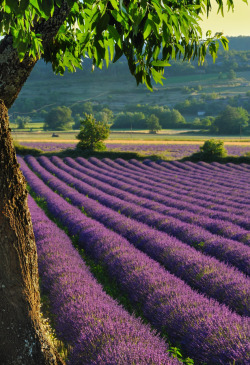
[(171, 150), (172, 237)]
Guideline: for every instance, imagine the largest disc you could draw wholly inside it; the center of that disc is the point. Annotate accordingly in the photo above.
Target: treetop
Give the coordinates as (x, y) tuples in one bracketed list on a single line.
[(148, 32)]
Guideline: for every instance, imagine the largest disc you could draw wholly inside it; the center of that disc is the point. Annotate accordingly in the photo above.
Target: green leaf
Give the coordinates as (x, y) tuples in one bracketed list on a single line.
[(160, 63), (148, 82), (114, 35), (157, 9), (111, 48), (46, 7), (7, 9), (118, 53), (114, 4), (156, 52), (157, 76), (147, 29)]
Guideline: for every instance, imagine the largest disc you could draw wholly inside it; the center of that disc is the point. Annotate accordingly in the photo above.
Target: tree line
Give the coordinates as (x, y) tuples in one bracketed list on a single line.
[(230, 118)]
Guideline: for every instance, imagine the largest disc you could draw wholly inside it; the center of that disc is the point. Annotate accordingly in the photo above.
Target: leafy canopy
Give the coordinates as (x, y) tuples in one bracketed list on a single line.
[(153, 124), (148, 32), (92, 134), (213, 148), (58, 119), (230, 120)]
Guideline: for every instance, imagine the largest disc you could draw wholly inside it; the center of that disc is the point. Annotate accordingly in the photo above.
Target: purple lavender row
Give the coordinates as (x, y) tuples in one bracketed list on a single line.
[(49, 146), (200, 271), (214, 197), (85, 315), (168, 186), (170, 190), (231, 168), (216, 226), (174, 150), (208, 168), (177, 174), (184, 181), (239, 197), (208, 171), (166, 301), (219, 179), (241, 167), (130, 185)]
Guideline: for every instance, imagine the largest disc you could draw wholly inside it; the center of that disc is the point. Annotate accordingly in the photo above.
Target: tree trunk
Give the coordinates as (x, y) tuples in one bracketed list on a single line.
[(22, 337)]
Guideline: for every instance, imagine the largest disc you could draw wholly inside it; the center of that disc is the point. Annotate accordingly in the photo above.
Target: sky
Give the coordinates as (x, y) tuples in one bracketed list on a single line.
[(232, 24)]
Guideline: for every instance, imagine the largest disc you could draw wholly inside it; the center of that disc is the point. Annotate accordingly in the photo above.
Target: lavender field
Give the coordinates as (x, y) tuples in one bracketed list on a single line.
[(174, 236), (171, 151)]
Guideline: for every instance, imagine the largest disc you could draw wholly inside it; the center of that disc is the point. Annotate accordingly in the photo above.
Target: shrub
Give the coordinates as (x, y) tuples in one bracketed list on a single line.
[(92, 134), (213, 148)]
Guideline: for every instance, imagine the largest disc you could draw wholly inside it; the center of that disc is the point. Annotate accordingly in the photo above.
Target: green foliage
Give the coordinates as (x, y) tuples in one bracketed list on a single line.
[(58, 119), (213, 149), (231, 75), (130, 120), (77, 120), (153, 124), (82, 108), (92, 134), (105, 115), (99, 111), (232, 120), (207, 121), (167, 118), (104, 31), (22, 121)]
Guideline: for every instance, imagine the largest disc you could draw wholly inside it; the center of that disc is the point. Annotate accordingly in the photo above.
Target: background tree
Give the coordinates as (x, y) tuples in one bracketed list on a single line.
[(176, 119), (231, 121), (22, 121), (77, 120), (62, 32), (58, 119), (92, 134), (129, 120), (105, 115), (82, 108), (231, 74), (153, 124)]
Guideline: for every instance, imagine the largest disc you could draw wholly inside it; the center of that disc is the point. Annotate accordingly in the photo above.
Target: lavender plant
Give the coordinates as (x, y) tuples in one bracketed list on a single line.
[(190, 318)]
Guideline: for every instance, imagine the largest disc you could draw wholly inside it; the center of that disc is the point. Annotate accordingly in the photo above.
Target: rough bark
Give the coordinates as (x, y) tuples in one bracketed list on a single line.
[(22, 337)]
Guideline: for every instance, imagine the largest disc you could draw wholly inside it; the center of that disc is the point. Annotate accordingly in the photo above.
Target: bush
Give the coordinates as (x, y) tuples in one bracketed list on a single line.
[(58, 119), (92, 134), (213, 149)]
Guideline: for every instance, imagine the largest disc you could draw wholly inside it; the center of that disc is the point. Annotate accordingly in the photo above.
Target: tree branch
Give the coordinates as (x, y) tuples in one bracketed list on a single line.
[(14, 73)]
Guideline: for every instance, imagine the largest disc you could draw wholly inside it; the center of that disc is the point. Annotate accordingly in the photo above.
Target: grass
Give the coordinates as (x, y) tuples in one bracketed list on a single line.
[(127, 136)]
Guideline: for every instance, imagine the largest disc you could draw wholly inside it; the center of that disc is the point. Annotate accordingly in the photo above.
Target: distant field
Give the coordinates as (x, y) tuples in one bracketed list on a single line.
[(126, 137)]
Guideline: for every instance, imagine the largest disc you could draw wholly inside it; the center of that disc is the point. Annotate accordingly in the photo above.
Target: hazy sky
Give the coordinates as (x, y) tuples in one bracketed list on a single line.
[(233, 23)]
